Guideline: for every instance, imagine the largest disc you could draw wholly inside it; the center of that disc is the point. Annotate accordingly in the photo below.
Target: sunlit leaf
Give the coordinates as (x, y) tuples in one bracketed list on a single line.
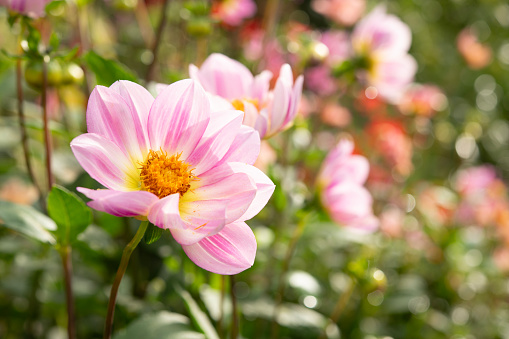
[(107, 71), (197, 315), (69, 212), (27, 221), (161, 325), (153, 234)]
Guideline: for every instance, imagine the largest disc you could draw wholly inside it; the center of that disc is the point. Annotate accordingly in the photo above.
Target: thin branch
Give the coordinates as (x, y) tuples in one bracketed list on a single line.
[(126, 254), (157, 42)]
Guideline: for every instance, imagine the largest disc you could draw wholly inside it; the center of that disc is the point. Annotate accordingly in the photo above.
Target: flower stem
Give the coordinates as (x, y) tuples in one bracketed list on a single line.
[(126, 254), (47, 134), (286, 265), (340, 306), (157, 41), (65, 254), (24, 136), (221, 307), (235, 318)]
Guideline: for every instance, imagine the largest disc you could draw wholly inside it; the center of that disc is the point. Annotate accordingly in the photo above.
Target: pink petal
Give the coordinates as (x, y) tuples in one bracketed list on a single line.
[(105, 162), (225, 77), (261, 85), (110, 116), (201, 218), (178, 118), (281, 100), (264, 188), (237, 189), (218, 104), (165, 213), (231, 251), (353, 169), (367, 224), (121, 204), (251, 114), (216, 140), (140, 101), (295, 100), (347, 202), (245, 148)]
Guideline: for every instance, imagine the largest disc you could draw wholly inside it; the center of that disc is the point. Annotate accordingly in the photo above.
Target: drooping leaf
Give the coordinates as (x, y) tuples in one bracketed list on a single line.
[(107, 71), (161, 325), (153, 234), (197, 315), (69, 212), (27, 221)]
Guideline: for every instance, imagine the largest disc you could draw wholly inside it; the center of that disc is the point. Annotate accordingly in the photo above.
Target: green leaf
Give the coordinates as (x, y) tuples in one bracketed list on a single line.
[(69, 212), (54, 41), (54, 6), (161, 325), (27, 221), (153, 234), (107, 71), (197, 315)]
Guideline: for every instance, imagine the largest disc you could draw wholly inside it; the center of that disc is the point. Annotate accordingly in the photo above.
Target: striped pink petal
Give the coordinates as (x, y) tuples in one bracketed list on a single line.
[(231, 251), (121, 204), (105, 162), (178, 118)]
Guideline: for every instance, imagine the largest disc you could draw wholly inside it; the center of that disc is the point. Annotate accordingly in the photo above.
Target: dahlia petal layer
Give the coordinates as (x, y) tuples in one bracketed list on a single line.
[(229, 252), (105, 162), (120, 204)]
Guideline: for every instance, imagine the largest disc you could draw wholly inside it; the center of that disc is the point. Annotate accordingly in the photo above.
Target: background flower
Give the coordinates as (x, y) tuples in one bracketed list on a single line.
[(268, 111)]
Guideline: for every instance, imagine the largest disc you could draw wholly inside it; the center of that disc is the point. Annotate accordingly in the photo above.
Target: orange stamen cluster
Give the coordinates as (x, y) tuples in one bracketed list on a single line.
[(163, 175), (239, 104)]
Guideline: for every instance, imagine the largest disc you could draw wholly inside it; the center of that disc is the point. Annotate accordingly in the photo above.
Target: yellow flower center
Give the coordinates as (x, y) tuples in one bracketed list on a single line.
[(239, 104), (163, 175)]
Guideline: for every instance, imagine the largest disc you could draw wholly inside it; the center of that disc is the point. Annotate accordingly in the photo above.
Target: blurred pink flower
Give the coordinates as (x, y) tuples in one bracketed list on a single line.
[(383, 40), (171, 161), (31, 8), (233, 12), (343, 12), (424, 100), (475, 54), (335, 115), (475, 180), (391, 221), (389, 138), (268, 111), (320, 80), (18, 191), (338, 44), (483, 197), (343, 195), (438, 204)]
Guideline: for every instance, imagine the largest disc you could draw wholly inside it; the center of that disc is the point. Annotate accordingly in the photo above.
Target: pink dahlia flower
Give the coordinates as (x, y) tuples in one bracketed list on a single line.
[(267, 111), (343, 195), (171, 161), (384, 40), (344, 12), (31, 8), (233, 12)]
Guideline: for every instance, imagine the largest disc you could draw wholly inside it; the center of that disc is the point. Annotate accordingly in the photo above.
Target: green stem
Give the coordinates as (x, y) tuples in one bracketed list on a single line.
[(47, 134), (282, 276), (65, 253), (235, 318), (340, 306), (221, 308), (157, 42), (24, 136), (126, 254)]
